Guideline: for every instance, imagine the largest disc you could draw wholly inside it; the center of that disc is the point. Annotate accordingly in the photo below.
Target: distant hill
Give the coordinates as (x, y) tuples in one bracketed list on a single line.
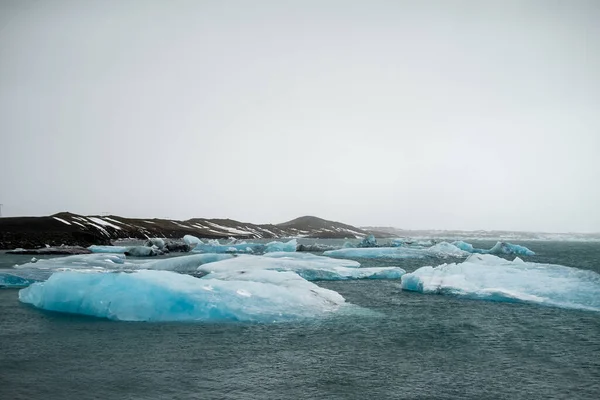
[(72, 229), (316, 227)]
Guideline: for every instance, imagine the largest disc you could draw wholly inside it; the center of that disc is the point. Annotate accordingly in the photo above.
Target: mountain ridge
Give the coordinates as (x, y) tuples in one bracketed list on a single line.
[(79, 230)]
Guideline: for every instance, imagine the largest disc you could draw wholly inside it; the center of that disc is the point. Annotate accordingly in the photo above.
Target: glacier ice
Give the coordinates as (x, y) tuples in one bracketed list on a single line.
[(159, 243), (509, 248), (498, 248), (368, 241), (143, 251), (134, 251), (488, 277), (442, 249), (184, 263), (214, 246), (107, 249), (312, 257), (279, 246), (248, 262), (256, 296), (83, 261), (11, 278), (310, 267), (345, 273), (192, 241)]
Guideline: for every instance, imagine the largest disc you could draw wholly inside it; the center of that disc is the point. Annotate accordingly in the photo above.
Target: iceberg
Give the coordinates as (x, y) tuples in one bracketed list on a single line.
[(134, 251), (509, 248), (338, 262), (279, 246), (192, 241), (257, 296), (15, 279), (107, 249), (368, 241), (442, 249), (499, 248), (488, 277), (184, 263), (249, 263), (159, 243), (142, 251), (309, 267), (214, 246), (344, 273), (84, 261)]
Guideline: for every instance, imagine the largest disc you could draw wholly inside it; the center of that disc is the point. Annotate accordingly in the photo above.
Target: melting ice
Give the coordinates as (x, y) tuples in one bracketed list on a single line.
[(259, 296), (489, 277)]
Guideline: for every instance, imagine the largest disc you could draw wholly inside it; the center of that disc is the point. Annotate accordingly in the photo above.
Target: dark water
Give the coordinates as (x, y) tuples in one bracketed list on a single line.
[(420, 347)]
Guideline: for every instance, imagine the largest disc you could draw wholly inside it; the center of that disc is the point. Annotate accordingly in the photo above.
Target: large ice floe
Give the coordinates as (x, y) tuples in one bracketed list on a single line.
[(133, 251), (488, 277), (213, 246), (255, 296), (442, 249), (308, 266), (84, 261)]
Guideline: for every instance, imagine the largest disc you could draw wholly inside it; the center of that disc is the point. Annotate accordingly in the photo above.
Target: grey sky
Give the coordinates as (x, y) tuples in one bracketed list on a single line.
[(421, 114)]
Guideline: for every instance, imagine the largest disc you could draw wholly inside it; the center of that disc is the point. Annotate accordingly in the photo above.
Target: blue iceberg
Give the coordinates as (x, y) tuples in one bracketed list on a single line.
[(368, 241), (499, 248), (13, 279), (488, 277), (107, 249), (344, 273), (257, 296)]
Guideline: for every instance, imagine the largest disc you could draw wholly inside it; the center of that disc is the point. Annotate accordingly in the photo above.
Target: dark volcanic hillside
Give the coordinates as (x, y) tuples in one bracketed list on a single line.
[(315, 227), (73, 229)]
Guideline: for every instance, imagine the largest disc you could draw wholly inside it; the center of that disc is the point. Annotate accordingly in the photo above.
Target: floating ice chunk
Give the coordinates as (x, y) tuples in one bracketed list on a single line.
[(442, 249), (311, 257), (158, 242), (107, 249), (12, 278), (377, 252), (184, 263), (279, 246), (142, 251), (249, 263), (308, 266), (107, 261), (213, 246), (262, 296), (315, 247), (445, 249), (499, 248), (509, 248), (344, 273), (192, 241), (492, 278), (368, 241)]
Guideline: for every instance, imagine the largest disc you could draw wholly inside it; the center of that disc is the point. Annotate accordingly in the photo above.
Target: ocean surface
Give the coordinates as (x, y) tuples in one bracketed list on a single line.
[(413, 346)]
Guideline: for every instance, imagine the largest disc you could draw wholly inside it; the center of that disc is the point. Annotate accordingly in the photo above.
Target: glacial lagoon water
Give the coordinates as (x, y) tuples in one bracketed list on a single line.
[(437, 344)]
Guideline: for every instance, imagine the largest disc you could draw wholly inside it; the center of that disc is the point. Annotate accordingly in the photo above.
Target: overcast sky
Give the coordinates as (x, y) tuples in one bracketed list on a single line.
[(421, 114)]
